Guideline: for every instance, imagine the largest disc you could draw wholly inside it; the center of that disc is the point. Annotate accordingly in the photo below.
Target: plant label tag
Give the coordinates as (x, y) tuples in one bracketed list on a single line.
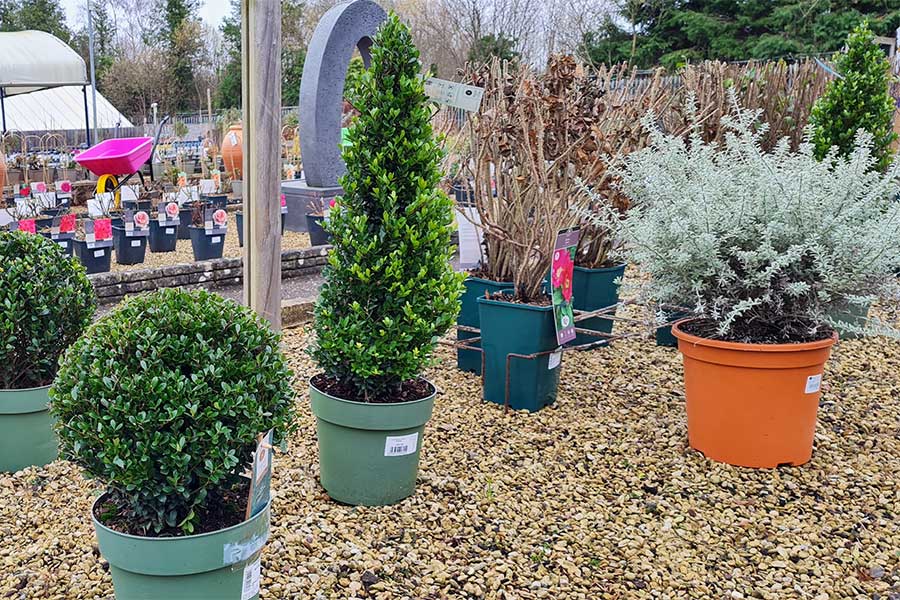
[(128, 220), (207, 187), (54, 227), (457, 95), (40, 187), (47, 199), (128, 193), (562, 272), (182, 179), (401, 445), (283, 204), (555, 359), (216, 177), (250, 585), (813, 384), (64, 187), (261, 475), (102, 229), (67, 223), (26, 225)]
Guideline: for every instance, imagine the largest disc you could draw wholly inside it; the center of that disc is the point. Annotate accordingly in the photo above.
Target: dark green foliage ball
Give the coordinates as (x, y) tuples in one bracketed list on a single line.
[(859, 99), (389, 288), (163, 400), (46, 301)]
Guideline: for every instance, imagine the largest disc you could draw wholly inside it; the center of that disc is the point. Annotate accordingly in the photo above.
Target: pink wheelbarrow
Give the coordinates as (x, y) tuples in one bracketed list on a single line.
[(117, 158)]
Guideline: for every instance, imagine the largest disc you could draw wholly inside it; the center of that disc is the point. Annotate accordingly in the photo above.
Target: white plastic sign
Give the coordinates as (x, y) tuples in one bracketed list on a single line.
[(554, 361), (250, 584), (457, 95), (813, 384), (401, 445)]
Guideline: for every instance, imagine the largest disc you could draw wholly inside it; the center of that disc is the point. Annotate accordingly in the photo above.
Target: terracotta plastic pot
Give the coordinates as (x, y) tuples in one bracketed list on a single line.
[(752, 405)]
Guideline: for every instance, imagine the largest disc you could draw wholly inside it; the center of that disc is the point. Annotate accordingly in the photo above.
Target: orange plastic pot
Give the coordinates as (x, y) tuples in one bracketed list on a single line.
[(752, 405)]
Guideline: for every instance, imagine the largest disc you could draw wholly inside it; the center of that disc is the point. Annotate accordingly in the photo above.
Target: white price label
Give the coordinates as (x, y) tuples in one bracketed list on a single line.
[(250, 584), (216, 240), (99, 253), (135, 243), (401, 445), (63, 244), (454, 94), (554, 361), (170, 230), (813, 384)]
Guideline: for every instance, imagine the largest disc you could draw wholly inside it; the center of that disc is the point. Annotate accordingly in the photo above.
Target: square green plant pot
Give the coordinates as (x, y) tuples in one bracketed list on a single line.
[(508, 328), (369, 452), (470, 360), (220, 565), (593, 289), (27, 438)]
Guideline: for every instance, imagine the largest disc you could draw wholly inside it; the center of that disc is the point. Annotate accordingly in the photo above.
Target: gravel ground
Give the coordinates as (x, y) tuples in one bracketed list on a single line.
[(598, 497)]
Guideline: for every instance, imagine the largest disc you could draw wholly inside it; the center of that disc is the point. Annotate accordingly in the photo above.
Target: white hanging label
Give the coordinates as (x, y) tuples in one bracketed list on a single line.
[(250, 585), (813, 384), (401, 445), (554, 361)]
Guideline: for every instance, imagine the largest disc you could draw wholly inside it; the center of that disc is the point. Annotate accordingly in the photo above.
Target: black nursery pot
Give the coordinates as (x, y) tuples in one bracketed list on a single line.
[(52, 212), (95, 260), (206, 247), (129, 250), (216, 200), (163, 238), (317, 235), (184, 215), (136, 205)]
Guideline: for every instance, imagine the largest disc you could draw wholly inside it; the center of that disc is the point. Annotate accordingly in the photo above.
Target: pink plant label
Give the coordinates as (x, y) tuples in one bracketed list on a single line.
[(27, 225), (102, 229), (67, 223), (562, 272)]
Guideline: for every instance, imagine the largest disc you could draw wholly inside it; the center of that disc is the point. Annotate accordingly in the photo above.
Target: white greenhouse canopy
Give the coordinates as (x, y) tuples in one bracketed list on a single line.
[(35, 60), (58, 109)]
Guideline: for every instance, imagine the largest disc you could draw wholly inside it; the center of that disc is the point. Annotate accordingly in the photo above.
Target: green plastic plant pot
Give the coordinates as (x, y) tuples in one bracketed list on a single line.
[(369, 453), (470, 360), (664, 337), (26, 429), (593, 289), (508, 328), (221, 565)]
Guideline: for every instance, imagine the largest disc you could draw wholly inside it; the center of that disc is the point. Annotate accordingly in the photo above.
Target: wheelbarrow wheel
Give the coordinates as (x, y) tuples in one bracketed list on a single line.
[(109, 183)]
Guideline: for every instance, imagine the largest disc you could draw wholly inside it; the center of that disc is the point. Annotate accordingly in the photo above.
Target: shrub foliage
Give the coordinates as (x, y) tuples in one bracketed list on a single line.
[(858, 99), (389, 288), (163, 398), (46, 301), (765, 244)]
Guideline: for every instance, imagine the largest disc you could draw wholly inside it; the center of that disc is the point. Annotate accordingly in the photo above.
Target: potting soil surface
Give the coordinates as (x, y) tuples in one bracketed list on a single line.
[(596, 497)]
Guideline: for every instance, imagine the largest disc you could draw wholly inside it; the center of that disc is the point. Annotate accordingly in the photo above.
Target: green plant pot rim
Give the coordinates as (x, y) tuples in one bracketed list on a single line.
[(488, 281), (147, 555), (617, 267), (372, 416), (23, 401), (548, 308)]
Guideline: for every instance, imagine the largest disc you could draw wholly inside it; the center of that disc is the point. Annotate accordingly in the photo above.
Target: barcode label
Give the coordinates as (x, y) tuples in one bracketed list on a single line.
[(63, 244), (216, 240), (99, 253), (250, 585), (170, 230), (554, 361), (136, 243), (401, 445)]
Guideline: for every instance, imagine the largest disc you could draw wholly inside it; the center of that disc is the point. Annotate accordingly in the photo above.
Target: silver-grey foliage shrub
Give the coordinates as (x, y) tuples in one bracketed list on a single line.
[(766, 245)]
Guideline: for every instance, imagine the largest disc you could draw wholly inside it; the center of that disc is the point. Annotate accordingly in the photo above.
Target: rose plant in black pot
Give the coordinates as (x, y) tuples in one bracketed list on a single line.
[(162, 401), (46, 301), (389, 288)]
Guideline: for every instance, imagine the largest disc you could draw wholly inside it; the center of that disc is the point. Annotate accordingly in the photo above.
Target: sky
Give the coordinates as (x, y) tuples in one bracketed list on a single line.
[(212, 11)]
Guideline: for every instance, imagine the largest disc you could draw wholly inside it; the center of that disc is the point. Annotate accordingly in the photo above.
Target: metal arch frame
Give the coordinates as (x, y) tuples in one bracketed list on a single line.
[(82, 84)]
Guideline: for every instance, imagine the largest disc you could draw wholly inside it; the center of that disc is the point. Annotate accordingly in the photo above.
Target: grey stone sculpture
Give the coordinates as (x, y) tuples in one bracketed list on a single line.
[(346, 26)]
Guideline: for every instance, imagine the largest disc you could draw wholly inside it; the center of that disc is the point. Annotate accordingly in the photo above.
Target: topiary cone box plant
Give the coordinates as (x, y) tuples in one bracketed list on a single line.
[(162, 401), (767, 243), (389, 289), (46, 301)]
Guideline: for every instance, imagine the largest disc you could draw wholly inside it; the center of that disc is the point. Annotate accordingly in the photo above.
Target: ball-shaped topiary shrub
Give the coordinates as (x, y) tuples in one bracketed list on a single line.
[(46, 301), (163, 400)]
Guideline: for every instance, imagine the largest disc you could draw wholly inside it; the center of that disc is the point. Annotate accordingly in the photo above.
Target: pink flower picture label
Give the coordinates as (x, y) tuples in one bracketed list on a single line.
[(220, 217), (562, 272), (172, 210)]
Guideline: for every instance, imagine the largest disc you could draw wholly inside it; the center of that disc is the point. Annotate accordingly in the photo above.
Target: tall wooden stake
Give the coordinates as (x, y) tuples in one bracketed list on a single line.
[(261, 94)]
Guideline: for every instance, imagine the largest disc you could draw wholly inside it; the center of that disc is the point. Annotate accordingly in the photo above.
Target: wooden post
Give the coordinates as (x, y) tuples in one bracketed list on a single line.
[(261, 94)]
